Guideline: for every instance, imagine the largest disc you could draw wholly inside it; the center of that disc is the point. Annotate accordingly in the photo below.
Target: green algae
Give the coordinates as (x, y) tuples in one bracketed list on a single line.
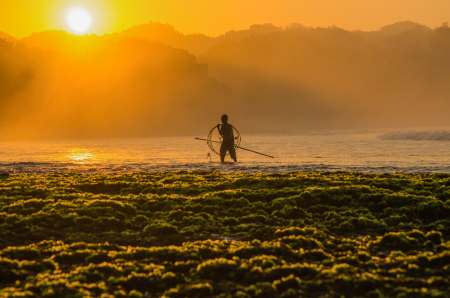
[(225, 267), (293, 234)]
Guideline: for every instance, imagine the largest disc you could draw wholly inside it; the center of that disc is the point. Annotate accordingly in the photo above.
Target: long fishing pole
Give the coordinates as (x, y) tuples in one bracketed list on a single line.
[(237, 147)]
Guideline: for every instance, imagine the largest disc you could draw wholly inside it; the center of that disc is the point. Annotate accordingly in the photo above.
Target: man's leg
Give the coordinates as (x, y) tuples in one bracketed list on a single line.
[(232, 151), (223, 151)]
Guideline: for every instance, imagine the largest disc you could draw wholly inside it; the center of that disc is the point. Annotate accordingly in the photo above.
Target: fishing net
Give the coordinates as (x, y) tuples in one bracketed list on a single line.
[(215, 139)]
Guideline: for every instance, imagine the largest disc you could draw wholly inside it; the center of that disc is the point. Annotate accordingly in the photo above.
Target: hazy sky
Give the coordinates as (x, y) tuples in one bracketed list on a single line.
[(22, 17)]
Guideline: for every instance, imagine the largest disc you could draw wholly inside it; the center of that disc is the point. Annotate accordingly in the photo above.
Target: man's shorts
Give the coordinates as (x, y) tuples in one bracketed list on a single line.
[(227, 145)]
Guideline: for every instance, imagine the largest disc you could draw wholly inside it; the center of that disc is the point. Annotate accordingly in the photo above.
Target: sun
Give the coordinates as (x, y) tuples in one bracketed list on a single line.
[(79, 20)]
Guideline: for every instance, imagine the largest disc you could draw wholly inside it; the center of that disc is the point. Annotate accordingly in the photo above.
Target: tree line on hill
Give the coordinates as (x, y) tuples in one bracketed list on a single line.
[(151, 80)]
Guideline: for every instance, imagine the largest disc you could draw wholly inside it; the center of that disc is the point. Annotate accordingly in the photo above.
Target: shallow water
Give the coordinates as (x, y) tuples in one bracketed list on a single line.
[(365, 151)]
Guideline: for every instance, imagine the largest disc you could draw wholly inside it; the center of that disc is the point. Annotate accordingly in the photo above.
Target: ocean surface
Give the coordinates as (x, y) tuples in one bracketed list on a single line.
[(374, 151)]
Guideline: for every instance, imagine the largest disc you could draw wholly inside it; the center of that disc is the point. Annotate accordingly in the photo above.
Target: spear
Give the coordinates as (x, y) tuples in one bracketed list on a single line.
[(237, 147)]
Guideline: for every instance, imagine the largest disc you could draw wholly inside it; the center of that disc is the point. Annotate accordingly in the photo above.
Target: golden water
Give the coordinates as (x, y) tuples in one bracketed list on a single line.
[(308, 151)]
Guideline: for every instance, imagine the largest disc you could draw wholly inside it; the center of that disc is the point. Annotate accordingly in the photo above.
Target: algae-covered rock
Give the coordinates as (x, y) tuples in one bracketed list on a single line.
[(84, 222), (434, 237), (216, 269), (297, 242), (281, 235), (135, 294), (432, 210), (417, 234), (21, 253), (395, 241), (143, 282), (280, 203), (290, 282), (346, 227), (230, 221), (196, 290), (162, 229), (315, 255), (295, 231)]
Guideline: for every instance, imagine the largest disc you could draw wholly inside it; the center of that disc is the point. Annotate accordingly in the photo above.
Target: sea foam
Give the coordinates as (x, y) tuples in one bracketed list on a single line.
[(443, 135)]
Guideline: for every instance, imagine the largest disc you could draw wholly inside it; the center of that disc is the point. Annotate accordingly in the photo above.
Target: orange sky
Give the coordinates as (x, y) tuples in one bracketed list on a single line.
[(22, 17)]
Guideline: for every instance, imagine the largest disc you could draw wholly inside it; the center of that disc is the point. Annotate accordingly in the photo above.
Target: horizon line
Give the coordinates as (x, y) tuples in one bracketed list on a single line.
[(187, 34)]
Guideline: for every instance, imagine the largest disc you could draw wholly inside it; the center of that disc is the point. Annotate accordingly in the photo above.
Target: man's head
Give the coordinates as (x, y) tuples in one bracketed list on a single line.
[(224, 119)]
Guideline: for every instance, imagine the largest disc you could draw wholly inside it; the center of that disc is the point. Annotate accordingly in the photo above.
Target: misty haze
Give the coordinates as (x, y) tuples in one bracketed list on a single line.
[(151, 80), (181, 158)]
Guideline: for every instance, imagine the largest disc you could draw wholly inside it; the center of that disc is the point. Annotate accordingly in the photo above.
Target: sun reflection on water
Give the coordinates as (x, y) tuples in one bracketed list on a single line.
[(81, 156)]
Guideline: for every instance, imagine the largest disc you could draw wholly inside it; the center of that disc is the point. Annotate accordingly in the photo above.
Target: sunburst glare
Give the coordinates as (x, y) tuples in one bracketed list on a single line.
[(81, 156), (79, 20)]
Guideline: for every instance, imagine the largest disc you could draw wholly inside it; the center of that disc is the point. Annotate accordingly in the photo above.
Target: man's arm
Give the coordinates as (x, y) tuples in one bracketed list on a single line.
[(218, 128)]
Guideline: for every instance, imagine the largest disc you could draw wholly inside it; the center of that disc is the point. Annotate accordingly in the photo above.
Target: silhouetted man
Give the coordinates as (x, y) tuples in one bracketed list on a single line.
[(226, 131)]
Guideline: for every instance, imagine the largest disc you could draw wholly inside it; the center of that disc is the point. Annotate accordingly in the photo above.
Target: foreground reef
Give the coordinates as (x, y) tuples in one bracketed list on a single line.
[(207, 234)]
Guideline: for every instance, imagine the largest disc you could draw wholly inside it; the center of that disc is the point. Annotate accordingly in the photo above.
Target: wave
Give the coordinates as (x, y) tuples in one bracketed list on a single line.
[(443, 135)]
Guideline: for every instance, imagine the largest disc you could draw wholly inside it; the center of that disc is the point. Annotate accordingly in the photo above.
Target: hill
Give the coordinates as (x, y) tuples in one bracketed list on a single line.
[(312, 78), (394, 29), (7, 37), (154, 80), (133, 87), (162, 33)]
